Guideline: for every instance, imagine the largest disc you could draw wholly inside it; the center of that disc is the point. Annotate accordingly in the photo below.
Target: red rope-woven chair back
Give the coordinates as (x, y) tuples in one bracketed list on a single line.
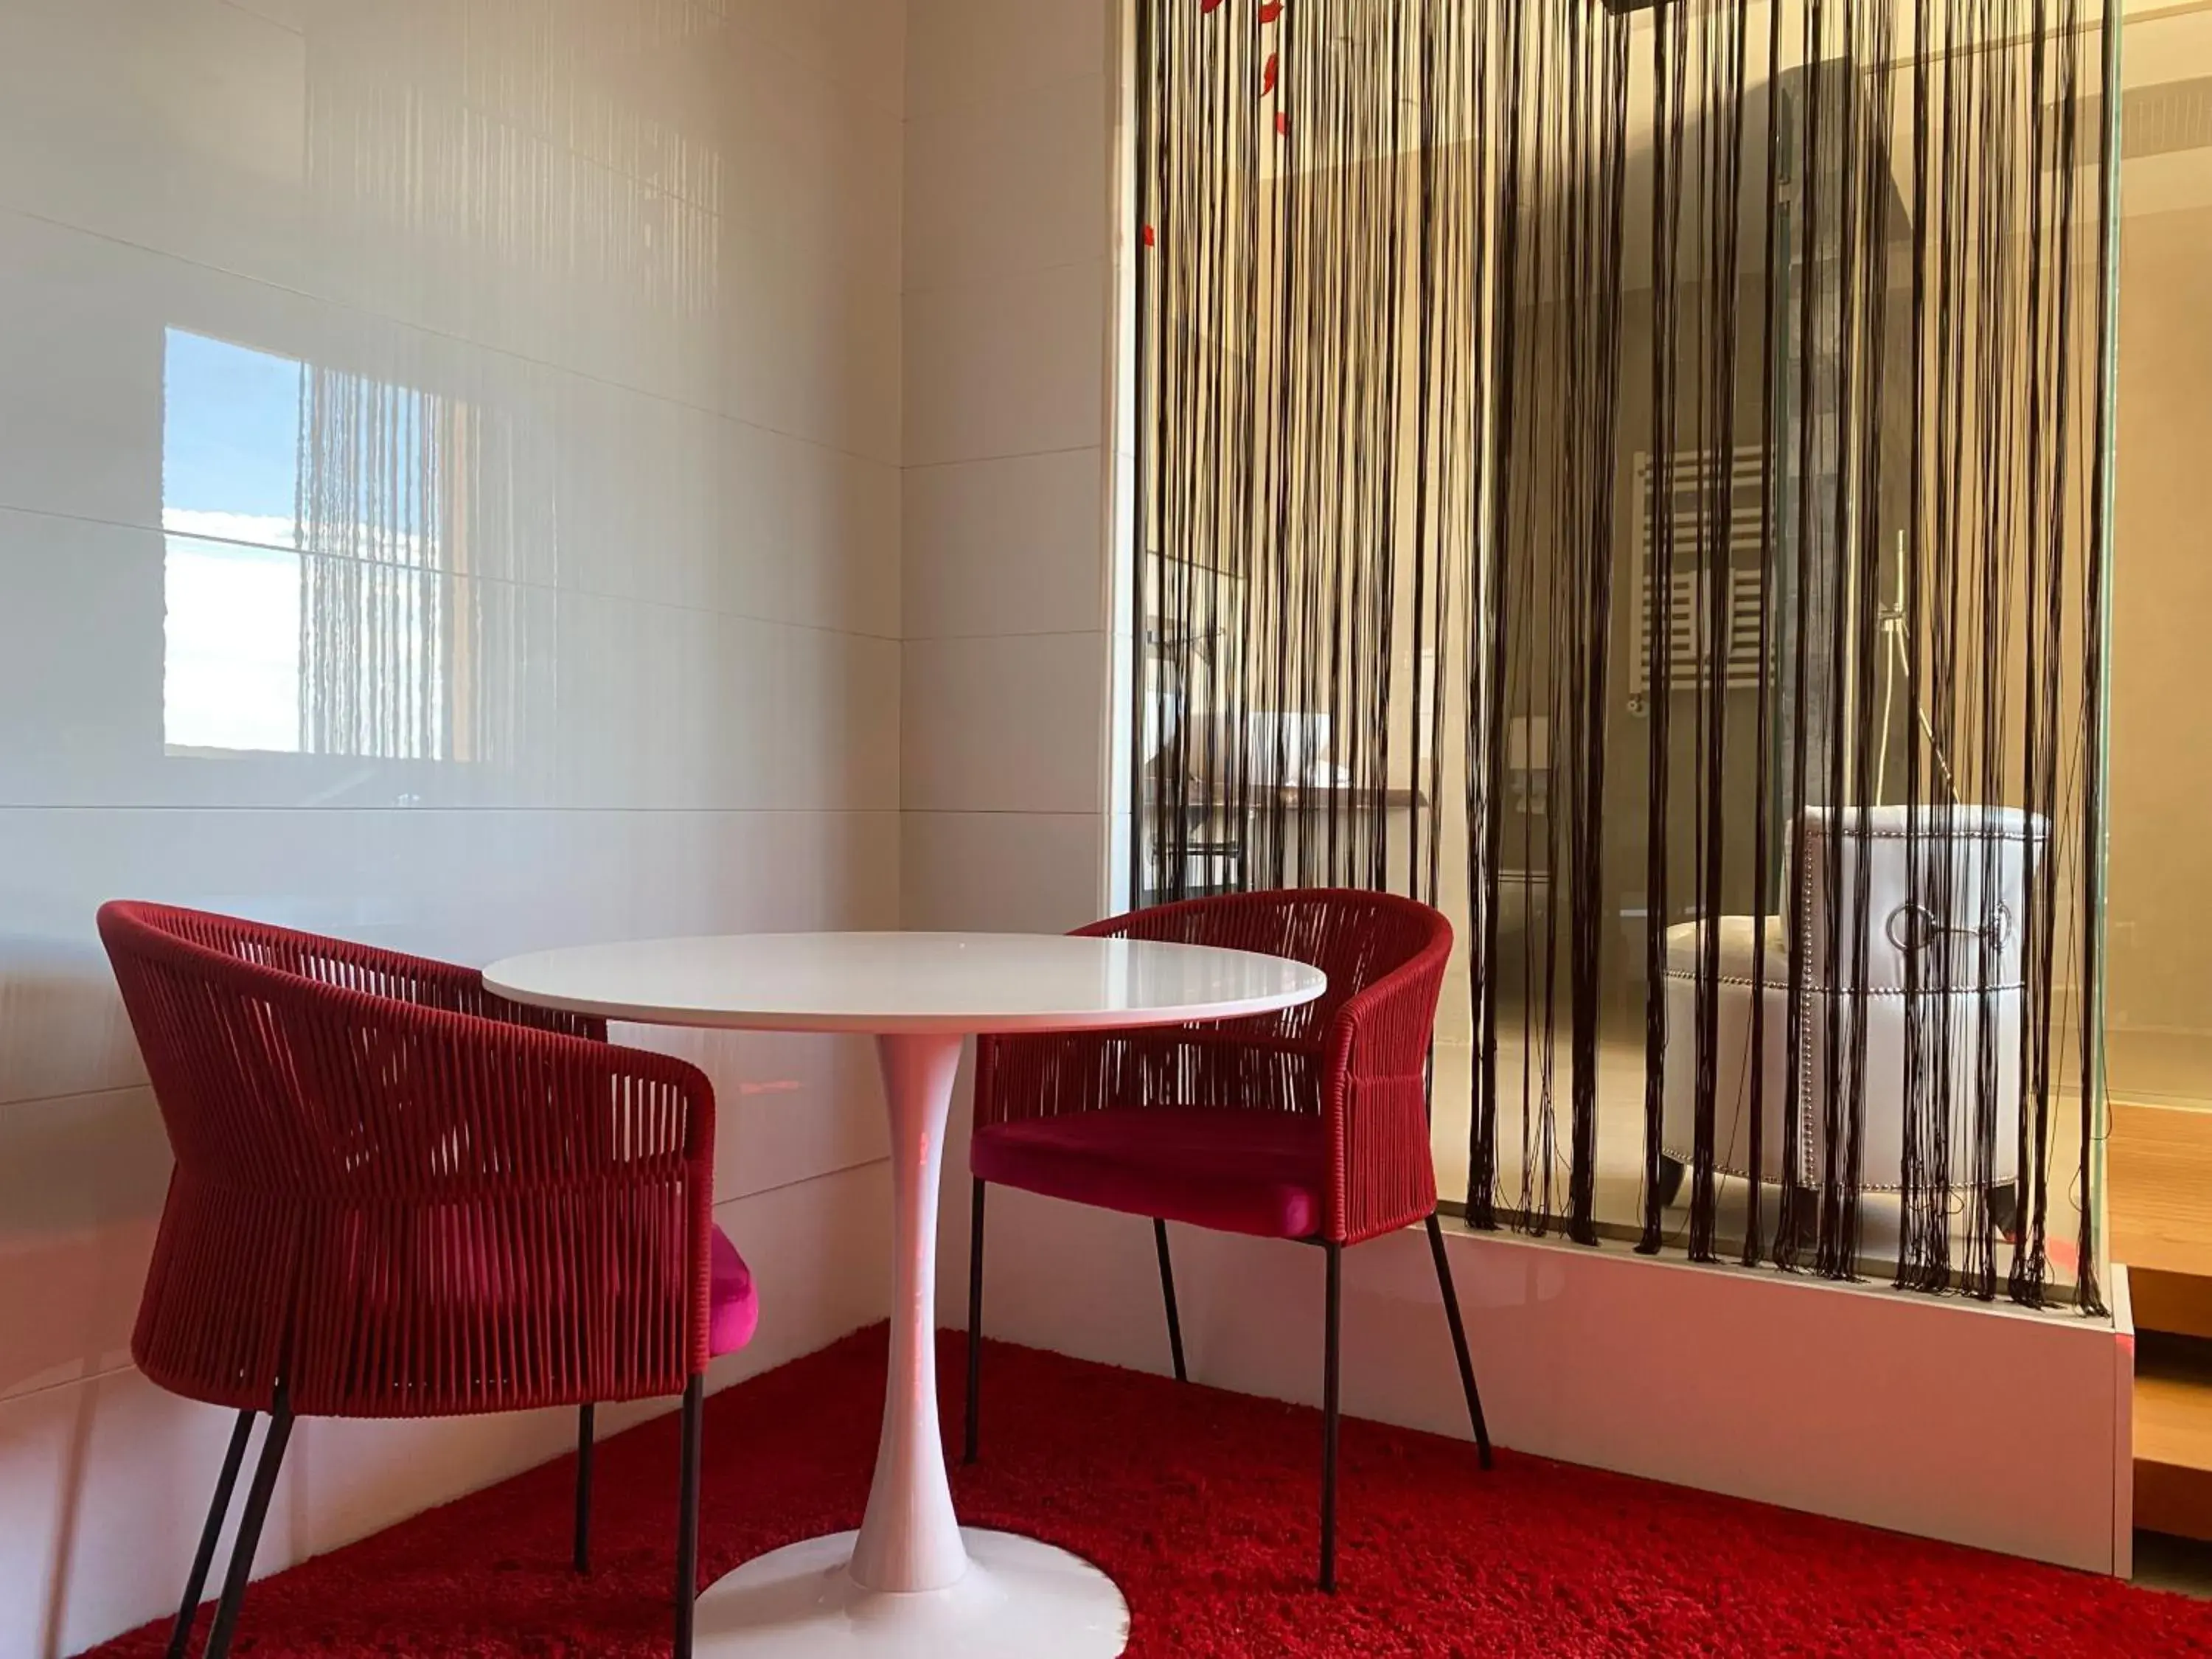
[(1357, 1055), (1354, 936), (399, 1193)]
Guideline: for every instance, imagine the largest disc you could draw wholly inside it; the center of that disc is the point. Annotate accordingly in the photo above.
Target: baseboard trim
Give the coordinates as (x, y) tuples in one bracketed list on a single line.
[(1987, 1426)]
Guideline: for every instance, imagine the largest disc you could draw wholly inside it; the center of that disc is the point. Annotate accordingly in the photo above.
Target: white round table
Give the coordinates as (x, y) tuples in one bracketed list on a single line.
[(912, 1581)]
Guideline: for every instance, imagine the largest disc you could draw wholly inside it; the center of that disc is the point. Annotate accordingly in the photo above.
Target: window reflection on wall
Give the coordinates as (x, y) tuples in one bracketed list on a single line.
[(230, 676), (316, 561)]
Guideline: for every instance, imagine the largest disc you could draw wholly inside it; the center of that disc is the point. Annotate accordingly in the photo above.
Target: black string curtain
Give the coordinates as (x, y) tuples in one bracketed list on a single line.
[(1634, 476)]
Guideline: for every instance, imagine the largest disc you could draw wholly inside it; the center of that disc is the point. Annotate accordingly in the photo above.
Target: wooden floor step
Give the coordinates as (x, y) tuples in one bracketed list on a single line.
[(2174, 1435), (2158, 1177), (2159, 1184), (2179, 1304), (2159, 1165)]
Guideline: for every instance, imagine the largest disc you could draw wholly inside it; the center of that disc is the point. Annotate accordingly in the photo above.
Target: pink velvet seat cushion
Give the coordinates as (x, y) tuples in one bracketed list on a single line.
[(732, 1305), (1257, 1172)]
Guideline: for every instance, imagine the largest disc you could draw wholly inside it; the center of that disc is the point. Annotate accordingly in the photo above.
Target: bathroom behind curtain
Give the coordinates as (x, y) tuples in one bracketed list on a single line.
[(1635, 477)]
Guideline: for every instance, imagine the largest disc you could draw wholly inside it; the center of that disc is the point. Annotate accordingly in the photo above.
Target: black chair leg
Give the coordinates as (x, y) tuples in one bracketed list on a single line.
[(584, 1439), (1458, 1336), (249, 1525), (1167, 1294), (687, 1517), (975, 1325), (1329, 1415), (225, 1483)]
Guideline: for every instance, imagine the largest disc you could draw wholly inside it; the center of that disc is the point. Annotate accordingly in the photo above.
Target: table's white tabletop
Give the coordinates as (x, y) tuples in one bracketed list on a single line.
[(889, 983)]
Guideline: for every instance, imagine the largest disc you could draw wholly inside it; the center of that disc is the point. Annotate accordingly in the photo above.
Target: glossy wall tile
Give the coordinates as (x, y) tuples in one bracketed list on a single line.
[(1009, 233), (449, 496)]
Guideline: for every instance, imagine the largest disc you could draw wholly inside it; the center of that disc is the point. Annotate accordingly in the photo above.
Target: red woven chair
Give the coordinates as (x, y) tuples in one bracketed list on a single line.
[(397, 1194), (1311, 1124)]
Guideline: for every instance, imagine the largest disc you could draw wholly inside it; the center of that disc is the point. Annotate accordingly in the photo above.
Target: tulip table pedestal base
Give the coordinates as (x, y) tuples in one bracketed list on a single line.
[(912, 1582), (1018, 1599)]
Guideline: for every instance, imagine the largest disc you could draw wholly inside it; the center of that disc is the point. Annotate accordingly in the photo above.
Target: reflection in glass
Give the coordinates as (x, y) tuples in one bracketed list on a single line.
[(231, 581), (2160, 1041), (376, 632), (528, 154), (317, 540), (230, 673), (1647, 508)]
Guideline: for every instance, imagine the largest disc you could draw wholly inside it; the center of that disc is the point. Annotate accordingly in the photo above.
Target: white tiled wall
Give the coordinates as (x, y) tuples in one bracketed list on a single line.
[(1010, 243), (632, 269), (1008, 261)]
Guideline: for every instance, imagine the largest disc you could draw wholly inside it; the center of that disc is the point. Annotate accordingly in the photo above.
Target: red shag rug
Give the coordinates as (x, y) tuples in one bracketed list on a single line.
[(1202, 1506)]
